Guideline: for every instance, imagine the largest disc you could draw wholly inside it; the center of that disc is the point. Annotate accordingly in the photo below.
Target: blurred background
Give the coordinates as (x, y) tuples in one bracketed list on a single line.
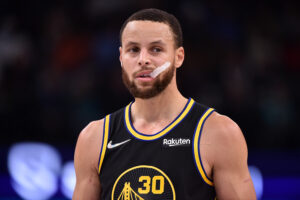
[(59, 70)]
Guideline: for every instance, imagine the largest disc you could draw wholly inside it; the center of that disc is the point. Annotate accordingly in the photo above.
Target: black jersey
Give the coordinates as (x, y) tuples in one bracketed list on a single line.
[(162, 166)]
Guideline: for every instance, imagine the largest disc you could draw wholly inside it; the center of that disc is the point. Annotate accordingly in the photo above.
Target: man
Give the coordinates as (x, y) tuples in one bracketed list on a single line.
[(162, 145)]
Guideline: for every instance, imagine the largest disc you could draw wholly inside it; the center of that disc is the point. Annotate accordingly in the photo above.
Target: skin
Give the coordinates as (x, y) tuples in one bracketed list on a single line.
[(223, 148)]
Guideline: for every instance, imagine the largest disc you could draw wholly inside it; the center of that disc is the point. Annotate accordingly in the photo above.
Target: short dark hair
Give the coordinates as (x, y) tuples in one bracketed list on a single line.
[(156, 15)]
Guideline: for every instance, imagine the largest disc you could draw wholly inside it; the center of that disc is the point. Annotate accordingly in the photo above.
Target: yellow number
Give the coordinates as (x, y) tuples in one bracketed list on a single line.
[(146, 184), (156, 180), (161, 181)]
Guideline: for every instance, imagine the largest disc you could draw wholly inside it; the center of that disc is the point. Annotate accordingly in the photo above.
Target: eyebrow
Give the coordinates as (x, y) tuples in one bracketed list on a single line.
[(131, 43), (158, 42), (154, 42)]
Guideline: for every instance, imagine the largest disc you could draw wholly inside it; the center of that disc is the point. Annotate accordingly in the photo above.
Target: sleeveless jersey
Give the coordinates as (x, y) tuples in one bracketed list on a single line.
[(163, 166)]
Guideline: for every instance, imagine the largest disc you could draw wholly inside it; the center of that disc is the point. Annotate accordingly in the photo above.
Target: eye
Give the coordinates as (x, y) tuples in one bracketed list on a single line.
[(156, 49), (133, 50)]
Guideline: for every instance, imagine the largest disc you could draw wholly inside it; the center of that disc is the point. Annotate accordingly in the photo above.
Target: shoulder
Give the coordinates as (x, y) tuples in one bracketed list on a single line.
[(223, 128), (225, 137), (91, 130), (88, 144)]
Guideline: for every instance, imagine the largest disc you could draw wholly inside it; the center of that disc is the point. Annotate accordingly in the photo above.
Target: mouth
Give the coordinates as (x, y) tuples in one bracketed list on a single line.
[(144, 76)]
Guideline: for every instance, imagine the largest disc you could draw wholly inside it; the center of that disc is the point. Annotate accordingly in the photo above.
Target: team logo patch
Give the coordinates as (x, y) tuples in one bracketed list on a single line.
[(143, 182), (176, 142)]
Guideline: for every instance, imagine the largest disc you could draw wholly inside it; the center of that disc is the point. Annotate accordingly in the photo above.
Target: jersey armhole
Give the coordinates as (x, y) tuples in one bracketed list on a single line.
[(104, 141), (196, 148)]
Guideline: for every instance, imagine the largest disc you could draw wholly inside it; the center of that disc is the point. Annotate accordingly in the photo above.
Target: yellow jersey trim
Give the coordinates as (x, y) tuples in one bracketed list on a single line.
[(197, 149), (104, 141), (142, 136), (144, 166)]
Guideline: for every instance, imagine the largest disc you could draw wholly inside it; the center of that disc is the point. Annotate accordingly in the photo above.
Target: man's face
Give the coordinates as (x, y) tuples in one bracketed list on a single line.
[(147, 45)]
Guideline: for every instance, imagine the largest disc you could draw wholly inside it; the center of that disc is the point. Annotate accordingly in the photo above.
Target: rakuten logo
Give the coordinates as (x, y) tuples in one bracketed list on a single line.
[(176, 142)]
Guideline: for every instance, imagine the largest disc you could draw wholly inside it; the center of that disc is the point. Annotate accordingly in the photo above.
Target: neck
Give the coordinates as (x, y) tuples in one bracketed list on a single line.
[(165, 106)]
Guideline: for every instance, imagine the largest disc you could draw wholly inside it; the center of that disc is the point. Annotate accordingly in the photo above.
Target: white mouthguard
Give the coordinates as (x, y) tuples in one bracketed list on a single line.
[(160, 69)]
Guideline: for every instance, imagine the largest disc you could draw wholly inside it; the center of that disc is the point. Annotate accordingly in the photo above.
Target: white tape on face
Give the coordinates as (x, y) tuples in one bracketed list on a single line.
[(160, 69)]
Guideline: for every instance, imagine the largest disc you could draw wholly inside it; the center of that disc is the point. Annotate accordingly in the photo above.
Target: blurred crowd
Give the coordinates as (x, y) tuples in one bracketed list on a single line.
[(59, 65)]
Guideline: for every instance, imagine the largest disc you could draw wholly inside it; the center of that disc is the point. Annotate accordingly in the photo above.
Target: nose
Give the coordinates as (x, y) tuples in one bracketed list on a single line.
[(143, 58)]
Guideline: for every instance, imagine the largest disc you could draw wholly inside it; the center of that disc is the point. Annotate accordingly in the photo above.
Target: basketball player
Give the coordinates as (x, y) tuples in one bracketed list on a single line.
[(161, 146)]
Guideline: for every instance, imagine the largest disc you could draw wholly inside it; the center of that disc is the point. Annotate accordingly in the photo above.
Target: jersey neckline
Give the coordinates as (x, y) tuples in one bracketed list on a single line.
[(164, 131)]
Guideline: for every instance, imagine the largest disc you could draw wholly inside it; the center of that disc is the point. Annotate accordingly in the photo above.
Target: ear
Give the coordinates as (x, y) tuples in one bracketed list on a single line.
[(120, 58), (179, 57)]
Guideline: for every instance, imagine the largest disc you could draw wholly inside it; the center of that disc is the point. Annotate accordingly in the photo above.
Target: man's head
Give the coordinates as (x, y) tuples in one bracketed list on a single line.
[(150, 38), (156, 15)]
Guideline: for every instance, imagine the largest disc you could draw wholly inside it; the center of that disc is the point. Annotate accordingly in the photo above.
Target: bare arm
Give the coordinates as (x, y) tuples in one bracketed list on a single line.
[(86, 162), (227, 159)]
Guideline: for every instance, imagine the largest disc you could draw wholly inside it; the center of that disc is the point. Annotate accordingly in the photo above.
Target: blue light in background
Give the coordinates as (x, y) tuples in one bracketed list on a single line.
[(257, 179), (34, 169), (68, 179)]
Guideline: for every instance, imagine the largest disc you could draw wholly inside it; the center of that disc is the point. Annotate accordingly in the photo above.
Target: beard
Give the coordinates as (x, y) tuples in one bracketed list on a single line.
[(148, 91)]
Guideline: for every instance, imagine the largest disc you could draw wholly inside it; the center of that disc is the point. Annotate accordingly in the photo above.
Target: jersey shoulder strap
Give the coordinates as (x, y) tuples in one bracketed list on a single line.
[(112, 122)]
